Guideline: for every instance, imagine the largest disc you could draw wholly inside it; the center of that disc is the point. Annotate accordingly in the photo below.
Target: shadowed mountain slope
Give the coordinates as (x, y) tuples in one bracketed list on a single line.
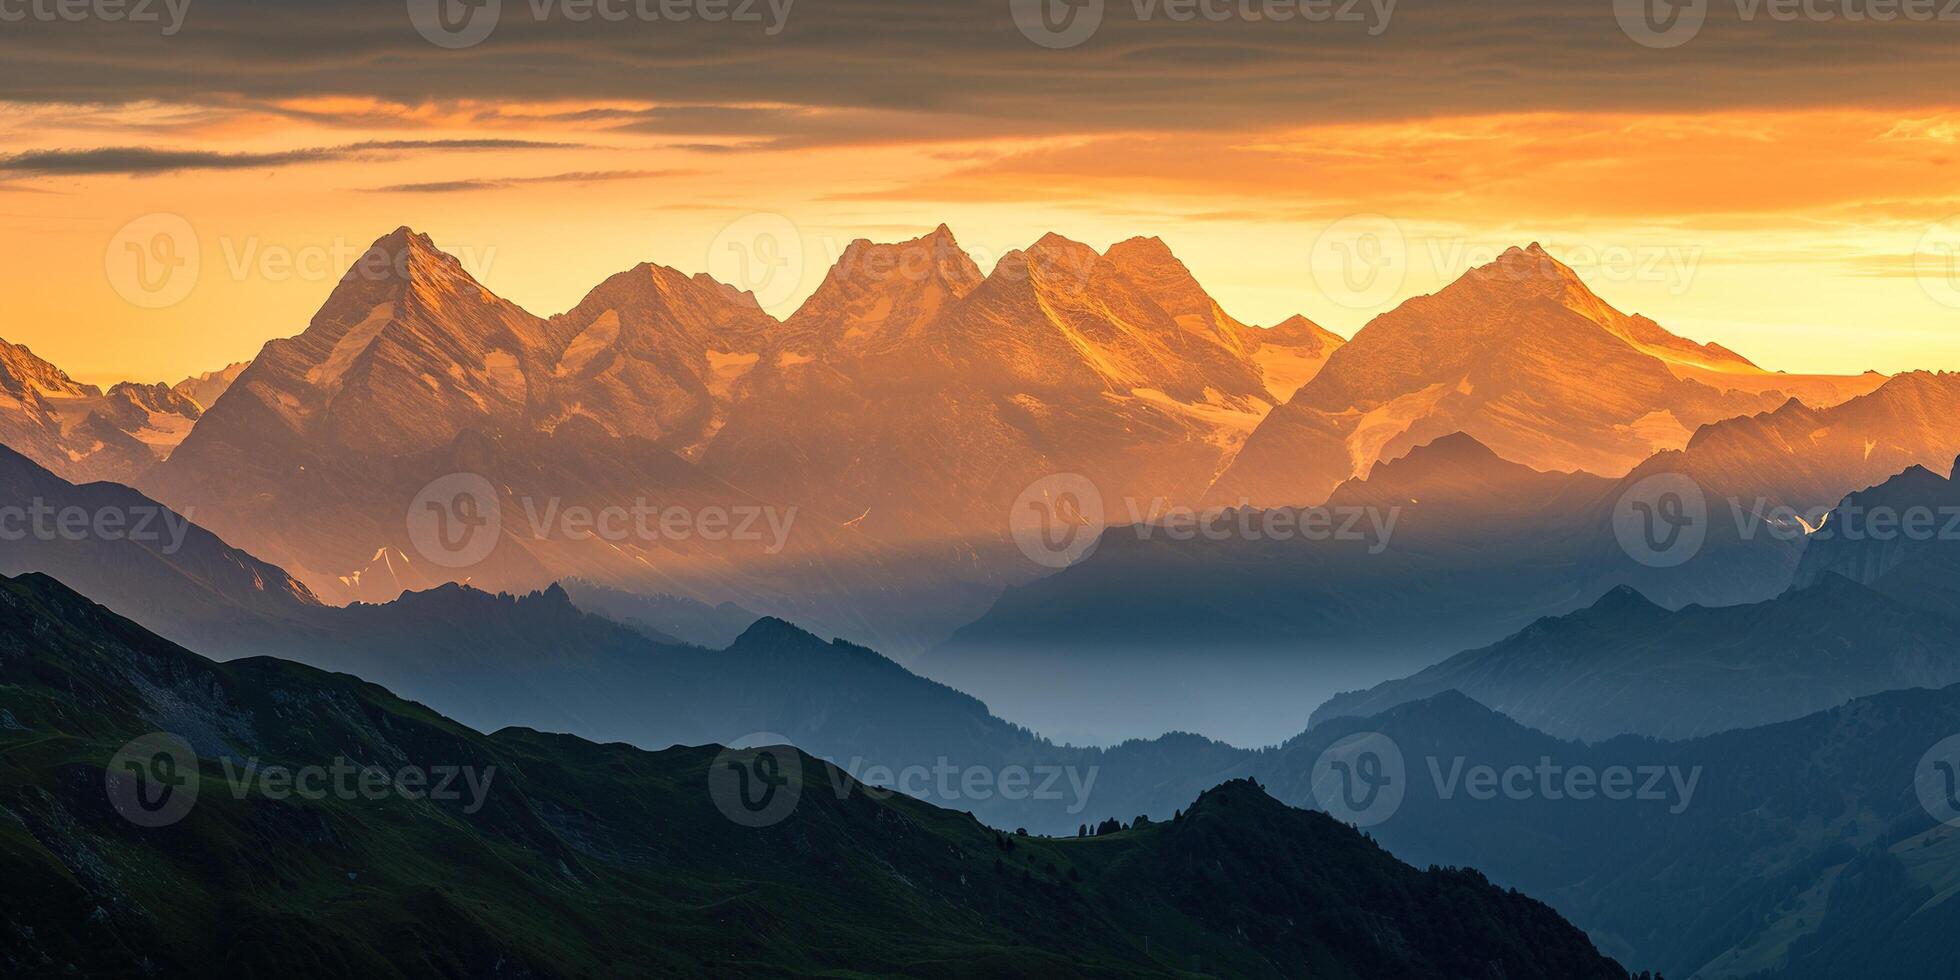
[(568, 858)]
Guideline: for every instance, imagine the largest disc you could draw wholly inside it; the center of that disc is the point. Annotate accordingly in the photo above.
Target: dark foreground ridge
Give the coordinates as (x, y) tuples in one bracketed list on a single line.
[(559, 857)]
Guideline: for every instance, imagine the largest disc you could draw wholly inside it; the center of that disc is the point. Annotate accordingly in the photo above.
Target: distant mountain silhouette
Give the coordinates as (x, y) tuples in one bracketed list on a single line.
[(155, 565), (1803, 849), (1480, 548), (1788, 850), (205, 389), (1810, 458), (538, 660), (541, 662), (1901, 538), (664, 618), (1627, 666), (1240, 636)]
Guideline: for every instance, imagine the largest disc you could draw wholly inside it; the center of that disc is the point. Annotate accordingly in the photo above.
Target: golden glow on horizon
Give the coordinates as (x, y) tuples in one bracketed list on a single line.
[(1787, 236)]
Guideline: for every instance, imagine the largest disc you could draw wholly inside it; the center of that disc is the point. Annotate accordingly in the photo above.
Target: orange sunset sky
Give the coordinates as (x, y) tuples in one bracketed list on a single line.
[(1791, 191)]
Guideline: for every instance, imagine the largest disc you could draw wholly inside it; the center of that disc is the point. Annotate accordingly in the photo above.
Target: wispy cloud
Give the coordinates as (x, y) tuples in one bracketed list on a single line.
[(1709, 170), (498, 183), (145, 160)]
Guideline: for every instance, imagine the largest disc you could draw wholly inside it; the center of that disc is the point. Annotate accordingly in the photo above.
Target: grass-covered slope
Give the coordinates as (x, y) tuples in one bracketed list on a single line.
[(578, 859)]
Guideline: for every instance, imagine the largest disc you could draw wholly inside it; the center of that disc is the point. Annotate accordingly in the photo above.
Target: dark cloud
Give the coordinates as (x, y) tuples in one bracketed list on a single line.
[(720, 147), (469, 144), (905, 70), (498, 183), (143, 160)]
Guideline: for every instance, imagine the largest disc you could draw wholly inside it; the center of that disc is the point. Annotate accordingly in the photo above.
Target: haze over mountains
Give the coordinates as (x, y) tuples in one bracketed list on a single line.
[(900, 412), (410, 362), (1801, 844), (1901, 538), (1804, 849), (1481, 547), (880, 436), (1627, 666)]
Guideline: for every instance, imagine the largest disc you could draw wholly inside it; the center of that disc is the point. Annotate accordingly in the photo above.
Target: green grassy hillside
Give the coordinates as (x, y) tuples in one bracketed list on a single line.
[(566, 858)]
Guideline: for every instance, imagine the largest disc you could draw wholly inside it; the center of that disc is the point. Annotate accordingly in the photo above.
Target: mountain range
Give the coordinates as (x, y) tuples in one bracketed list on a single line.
[(1627, 666), (901, 410), (1519, 354), (156, 565), (1804, 849), (1767, 874), (652, 671), (1901, 538), (572, 858), (87, 434), (886, 428), (205, 592), (1800, 848), (664, 618), (899, 448), (1457, 548)]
